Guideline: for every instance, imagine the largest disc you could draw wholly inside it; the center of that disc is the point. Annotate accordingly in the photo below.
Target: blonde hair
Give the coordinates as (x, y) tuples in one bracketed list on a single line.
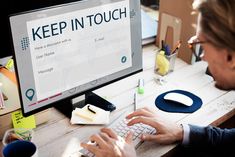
[(217, 22)]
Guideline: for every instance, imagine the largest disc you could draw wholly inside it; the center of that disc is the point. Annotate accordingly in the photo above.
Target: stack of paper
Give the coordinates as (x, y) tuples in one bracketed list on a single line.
[(92, 115)]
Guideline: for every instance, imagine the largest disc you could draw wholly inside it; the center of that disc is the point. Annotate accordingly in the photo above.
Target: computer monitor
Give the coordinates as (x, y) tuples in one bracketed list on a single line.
[(71, 49)]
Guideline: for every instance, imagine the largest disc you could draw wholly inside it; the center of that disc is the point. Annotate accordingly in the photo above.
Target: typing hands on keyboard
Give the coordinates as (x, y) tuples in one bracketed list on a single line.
[(108, 143), (121, 129), (138, 129), (126, 135)]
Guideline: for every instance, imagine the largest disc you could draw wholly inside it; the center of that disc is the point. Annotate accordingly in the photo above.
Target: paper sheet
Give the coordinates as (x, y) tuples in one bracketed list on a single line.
[(84, 116)]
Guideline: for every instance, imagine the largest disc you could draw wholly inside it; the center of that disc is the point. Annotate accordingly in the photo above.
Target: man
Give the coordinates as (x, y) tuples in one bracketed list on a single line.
[(216, 35)]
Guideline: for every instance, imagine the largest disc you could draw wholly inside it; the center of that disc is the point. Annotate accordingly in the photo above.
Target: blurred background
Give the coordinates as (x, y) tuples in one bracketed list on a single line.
[(154, 4)]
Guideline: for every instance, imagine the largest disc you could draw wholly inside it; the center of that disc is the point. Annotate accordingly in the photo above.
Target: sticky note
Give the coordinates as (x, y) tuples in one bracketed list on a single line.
[(19, 121), (84, 113), (85, 116), (9, 64)]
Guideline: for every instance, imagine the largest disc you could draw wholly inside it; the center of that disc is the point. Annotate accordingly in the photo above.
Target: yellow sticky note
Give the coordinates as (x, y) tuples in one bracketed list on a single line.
[(9, 64), (19, 121), (85, 114)]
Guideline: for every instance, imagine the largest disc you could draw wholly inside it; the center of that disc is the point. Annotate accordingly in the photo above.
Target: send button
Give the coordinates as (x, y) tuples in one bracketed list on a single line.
[(123, 60)]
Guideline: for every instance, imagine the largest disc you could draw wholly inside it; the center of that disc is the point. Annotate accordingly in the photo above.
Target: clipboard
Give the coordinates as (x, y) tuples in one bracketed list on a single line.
[(184, 12), (170, 29)]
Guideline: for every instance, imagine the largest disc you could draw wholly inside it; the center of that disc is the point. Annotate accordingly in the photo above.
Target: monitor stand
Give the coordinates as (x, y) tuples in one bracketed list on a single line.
[(66, 106)]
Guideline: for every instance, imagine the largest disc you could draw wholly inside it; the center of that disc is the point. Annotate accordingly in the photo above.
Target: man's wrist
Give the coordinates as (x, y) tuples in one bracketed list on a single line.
[(186, 131), (180, 134)]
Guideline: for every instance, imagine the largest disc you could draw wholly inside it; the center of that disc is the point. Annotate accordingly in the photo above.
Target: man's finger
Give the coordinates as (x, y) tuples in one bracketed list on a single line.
[(98, 140), (129, 137), (147, 137), (144, 120), (140, 112), (93, 149), (104, 136), (110, 133)]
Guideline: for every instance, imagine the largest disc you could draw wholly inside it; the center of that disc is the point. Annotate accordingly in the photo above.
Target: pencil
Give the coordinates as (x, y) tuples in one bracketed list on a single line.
[(135, 101), (163, 45), (2, 106), (176, 47)]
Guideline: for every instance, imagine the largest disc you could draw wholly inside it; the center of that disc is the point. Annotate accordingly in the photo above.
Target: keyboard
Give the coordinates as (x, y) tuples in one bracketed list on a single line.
[(122, 129)]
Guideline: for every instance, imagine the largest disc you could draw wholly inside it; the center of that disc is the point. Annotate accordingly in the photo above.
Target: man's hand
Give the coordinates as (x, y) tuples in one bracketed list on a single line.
[(167, 132), (108, 144)]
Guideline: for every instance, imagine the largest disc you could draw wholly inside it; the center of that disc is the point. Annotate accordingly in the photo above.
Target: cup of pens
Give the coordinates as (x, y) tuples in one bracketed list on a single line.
[(171, 58), (165, 59), (18, 142)]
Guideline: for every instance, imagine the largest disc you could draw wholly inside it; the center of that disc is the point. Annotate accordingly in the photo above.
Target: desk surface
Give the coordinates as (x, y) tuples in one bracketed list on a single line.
[(58, 138)]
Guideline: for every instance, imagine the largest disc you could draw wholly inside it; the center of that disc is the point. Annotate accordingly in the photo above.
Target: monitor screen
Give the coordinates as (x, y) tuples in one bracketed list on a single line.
[(66, 50)]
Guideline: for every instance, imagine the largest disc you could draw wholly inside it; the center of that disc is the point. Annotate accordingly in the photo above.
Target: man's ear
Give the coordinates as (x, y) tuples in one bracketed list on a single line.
[(231, 59)]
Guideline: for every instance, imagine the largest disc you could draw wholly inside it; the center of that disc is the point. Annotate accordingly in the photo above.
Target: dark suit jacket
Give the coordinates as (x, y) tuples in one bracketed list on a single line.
[(211, 136)]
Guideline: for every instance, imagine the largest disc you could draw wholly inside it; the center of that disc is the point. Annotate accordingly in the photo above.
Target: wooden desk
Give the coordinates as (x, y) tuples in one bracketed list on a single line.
[(58, 138)]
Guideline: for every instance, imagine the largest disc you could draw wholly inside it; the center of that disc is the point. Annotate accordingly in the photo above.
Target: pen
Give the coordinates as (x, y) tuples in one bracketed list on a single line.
[(88, 107), (167, 50), (135, 101), (2, 106), (176, 47), (163, 45)]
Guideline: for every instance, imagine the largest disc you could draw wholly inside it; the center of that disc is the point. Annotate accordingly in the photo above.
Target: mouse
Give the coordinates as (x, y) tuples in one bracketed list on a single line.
[(179, 98)]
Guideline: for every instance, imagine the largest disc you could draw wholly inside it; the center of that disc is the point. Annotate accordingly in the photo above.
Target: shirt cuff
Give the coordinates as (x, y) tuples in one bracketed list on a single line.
[(186, 130)]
